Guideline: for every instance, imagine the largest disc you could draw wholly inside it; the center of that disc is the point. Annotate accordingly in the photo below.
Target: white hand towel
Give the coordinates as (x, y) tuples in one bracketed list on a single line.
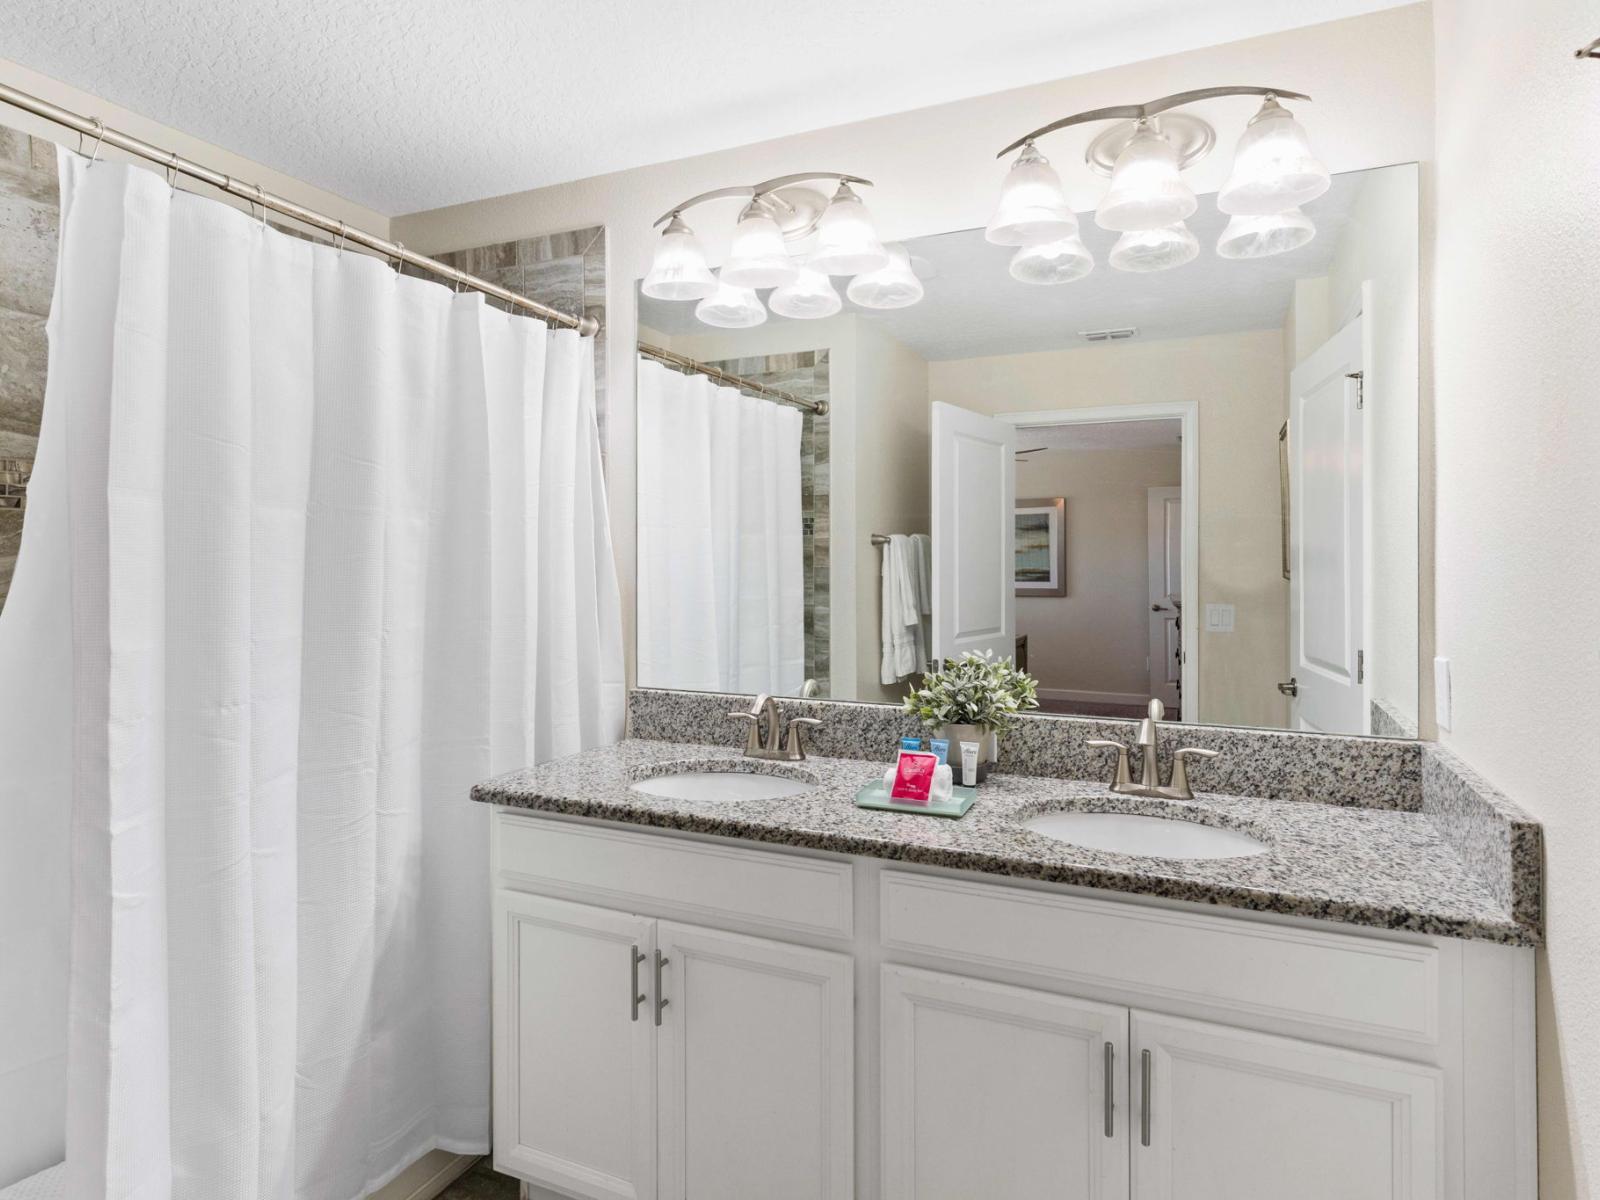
[(901, 612)]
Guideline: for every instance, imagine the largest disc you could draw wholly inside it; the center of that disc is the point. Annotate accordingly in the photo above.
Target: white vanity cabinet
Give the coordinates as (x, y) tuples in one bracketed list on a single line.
[(850, 1027)]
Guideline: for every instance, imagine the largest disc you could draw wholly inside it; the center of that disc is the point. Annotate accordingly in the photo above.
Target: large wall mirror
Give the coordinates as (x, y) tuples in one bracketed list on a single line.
[(1198, 484)]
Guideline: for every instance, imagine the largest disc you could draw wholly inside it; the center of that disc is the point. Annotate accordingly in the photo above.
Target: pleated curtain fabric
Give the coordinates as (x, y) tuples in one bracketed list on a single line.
[(333, 546), (721, 569)]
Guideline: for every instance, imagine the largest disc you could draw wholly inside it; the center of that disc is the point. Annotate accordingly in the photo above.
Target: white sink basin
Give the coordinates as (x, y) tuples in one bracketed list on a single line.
[(725, 786), (1148, 837)]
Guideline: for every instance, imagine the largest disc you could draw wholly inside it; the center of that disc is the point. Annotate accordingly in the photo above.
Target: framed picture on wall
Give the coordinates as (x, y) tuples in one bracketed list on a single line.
[(1041, 547)]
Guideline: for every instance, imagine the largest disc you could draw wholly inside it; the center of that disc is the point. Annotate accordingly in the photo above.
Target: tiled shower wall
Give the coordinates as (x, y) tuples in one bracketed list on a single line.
[(29, 221), (805, 374)]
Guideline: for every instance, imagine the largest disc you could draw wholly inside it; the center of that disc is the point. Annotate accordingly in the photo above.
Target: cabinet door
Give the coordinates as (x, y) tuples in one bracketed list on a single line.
[(1235, 1115), (574, 1062), (756, 1068), (1000, 1092)]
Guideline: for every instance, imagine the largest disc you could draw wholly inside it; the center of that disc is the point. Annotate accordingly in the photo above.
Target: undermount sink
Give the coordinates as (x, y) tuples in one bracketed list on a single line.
[(1145, 836), (726, 786)]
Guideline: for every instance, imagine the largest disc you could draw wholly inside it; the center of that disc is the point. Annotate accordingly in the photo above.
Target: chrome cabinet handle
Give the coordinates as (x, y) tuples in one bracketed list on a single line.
[(1145, 1071), (633, 990), (1110, 1102), (661, 1001)]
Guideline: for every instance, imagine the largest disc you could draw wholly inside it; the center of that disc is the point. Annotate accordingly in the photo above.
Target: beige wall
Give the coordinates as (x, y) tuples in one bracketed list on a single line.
[(935, 167), (1516, 319), (1096, 638), (1236, 380)]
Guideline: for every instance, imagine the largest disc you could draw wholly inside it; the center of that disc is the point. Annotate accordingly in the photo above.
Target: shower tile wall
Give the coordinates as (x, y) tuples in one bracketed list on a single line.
[(805, 375), (564, 270), (29, 221)]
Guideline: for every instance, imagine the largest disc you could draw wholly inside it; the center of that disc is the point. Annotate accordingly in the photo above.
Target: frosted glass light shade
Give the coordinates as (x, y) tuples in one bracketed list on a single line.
[(1060, 261), (893, 286), (1146, 190), (1032, 208), (731, 307), (1273, 167), (809, 297), (759, 258), (847, 243), (1260, 237), (1154, 249), (678, 271)]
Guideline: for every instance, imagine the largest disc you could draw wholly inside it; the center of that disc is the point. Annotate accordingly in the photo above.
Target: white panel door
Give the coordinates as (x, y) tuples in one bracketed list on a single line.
[(974, 514), (1327, 554), (1235, 1115), (1164, 552), (996, 1091), (756, 1069), (574, 1085)]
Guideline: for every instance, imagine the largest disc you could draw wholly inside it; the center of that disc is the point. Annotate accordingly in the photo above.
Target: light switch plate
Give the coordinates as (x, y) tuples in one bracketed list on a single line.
[(1219, 618), (1441, 692)]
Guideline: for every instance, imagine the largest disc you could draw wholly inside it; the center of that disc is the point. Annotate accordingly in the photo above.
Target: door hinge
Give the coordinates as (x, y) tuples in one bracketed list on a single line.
[(1361, 387), (1361, 666)]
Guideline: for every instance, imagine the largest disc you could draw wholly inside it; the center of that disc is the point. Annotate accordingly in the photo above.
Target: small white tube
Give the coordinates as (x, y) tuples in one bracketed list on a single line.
[(969, 764)]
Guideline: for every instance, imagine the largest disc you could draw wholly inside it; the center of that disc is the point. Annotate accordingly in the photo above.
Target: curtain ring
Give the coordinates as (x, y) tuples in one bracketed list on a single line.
[(172, 171), (399, 257), (261, 198), (338, 242), (99, 136)]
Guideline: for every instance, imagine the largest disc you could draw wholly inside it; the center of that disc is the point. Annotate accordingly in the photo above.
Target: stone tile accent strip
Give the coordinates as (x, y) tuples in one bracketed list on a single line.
[(1276, 765), (1500, 843), (1378, 867)]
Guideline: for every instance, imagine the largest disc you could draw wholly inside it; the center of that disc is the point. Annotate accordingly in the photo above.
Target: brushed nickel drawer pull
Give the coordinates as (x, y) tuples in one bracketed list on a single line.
[(1110, 1084), (633, 989), (1145, 1071), (661, 1001)]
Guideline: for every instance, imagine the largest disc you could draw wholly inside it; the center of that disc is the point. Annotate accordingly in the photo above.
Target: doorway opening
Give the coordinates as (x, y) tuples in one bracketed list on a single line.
[(1101, 504)]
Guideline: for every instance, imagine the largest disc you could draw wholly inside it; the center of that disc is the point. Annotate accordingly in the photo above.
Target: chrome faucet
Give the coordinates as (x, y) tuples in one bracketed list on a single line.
[(1149, 741), (768, 737)]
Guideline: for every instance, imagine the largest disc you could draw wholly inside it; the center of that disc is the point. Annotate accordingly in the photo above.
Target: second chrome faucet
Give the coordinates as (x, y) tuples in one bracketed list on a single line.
[(1149, 742)]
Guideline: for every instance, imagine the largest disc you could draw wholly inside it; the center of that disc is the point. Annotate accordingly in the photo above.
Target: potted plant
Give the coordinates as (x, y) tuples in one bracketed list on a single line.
[(973, 699)]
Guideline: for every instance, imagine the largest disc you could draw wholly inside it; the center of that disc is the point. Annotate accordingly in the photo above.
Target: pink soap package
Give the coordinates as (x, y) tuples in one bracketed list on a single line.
[(913, 777)]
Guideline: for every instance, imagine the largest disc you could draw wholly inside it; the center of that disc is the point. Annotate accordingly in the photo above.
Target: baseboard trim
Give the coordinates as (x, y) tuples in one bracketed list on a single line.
[(428, 1177), (1080, 697)]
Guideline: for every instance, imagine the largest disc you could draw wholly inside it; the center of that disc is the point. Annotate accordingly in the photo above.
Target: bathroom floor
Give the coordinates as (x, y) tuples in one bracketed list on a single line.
[(482, 1183)]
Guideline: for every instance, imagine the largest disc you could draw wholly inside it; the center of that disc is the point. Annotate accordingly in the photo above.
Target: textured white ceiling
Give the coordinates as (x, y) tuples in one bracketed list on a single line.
[(403, 105)]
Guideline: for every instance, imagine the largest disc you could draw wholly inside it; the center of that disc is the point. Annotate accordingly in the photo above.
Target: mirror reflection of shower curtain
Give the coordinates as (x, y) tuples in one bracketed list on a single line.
[(721, 578)]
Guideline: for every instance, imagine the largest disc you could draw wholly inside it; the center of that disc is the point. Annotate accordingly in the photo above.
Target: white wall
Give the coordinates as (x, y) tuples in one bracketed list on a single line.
[(1516, 322), (33, 833), (1096, 638), (935, 169), (1236, 380)]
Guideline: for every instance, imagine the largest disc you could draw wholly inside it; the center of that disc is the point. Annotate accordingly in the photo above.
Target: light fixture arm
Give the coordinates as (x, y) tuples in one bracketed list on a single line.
[(1140, 112), (757, 190)]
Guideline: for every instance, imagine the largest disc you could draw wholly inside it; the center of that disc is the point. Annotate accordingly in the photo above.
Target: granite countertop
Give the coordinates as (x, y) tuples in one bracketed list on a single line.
[(1361, 866)]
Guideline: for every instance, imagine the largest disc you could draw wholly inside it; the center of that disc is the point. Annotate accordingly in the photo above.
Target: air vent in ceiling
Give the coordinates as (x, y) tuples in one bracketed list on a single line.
[(1107, 335)]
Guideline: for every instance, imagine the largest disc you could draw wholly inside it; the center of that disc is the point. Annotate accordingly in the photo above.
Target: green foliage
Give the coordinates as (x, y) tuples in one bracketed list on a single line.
[(973, 690)]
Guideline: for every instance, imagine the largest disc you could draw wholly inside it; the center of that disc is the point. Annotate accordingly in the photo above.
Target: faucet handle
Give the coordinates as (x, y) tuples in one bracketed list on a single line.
[(752, 741), (1123, 776), (794, 746), (1179, 786)]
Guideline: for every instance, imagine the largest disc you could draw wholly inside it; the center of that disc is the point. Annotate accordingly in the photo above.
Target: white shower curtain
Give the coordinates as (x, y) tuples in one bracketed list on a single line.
[(333, 547), (721, 575)]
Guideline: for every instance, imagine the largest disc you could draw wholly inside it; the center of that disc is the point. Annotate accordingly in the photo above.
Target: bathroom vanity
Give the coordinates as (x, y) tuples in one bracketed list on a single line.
[(791, 996)]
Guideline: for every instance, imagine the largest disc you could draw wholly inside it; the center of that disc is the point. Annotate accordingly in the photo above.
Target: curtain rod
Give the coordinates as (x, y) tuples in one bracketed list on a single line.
[(819, 407), (96, 128)]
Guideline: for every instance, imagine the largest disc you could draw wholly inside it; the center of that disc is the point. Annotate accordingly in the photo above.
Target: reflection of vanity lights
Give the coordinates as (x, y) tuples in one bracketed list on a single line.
[(1144, 154), (779, 214)]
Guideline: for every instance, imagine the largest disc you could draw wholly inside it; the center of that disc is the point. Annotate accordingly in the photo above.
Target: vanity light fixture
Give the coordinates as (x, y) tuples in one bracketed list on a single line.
[(1144, 153), (779, 213)]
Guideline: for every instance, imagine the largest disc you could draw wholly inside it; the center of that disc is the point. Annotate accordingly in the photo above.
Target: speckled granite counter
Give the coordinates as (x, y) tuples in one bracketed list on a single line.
[(1362, 866)]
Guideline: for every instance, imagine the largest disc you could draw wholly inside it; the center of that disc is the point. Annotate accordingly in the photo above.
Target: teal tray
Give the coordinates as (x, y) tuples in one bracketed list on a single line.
[(875, 795)]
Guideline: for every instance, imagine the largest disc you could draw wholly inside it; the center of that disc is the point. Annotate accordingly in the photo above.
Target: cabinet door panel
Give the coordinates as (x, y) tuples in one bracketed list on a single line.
[(574, 1088), (1236, 1115), (998, 1091), (756, 1068)]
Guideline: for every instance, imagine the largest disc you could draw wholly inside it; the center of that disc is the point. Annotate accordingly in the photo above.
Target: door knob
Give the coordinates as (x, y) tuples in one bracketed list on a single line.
[(1291, 688)]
